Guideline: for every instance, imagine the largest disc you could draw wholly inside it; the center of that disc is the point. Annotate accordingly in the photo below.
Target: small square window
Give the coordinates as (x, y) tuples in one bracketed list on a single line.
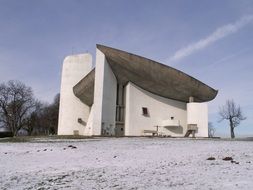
[(145, 111)]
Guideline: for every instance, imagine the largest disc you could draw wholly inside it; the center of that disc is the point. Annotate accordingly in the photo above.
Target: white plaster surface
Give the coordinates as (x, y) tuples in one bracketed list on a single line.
[(197, 113), (126, 163), (170, 122), (75, 67), (104, 96), (89, 127), (159, 109)]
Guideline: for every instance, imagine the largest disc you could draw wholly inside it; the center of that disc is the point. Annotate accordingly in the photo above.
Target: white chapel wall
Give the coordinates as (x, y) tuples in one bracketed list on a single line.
[(104, 97), (197, 113), (159, 109), (75, 67)]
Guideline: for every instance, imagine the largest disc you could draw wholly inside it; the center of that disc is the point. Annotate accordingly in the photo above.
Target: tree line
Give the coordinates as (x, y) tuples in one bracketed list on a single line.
[(21, 112)]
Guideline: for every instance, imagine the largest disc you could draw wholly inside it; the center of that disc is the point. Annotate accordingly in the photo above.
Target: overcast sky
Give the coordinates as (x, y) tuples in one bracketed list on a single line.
[(210, 40)]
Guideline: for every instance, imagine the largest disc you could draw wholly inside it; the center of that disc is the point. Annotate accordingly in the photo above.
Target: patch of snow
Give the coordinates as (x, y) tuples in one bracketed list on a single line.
[(126, 163)]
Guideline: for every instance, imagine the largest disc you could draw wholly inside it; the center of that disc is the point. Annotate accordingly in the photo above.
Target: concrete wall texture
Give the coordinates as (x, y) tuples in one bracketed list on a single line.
[(104, 97), (75, 67), (75, 117), (197, 113), (159, 109)]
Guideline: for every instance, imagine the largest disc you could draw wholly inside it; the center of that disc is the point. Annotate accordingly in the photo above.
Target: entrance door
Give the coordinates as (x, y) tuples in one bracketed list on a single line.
[(119, 129)]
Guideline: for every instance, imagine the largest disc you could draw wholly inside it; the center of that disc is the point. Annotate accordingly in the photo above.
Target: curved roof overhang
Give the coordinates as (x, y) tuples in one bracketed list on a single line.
[(84, 89), (150, 75)]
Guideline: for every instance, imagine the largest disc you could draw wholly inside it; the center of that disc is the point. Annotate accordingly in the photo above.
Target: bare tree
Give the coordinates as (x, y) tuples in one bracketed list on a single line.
[(51, 113), (33, 120), (16, 103), (44, 119), (233, 114), (211, 129)]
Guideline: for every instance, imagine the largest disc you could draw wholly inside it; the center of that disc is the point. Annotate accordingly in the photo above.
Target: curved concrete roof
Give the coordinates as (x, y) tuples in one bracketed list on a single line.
[(84, 89), (152, 76)]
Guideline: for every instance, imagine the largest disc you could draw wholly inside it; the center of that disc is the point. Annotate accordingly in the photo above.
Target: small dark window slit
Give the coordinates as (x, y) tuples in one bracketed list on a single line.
[(144, 111)]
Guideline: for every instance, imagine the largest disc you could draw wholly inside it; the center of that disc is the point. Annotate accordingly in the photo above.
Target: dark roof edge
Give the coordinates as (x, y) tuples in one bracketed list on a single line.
[(99, 46)]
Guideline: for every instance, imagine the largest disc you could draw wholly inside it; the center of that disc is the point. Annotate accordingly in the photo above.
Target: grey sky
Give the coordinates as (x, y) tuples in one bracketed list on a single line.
[(195, 36)]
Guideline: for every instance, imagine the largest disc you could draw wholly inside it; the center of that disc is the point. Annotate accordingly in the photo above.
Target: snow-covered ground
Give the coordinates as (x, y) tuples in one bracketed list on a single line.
[(126, 163)]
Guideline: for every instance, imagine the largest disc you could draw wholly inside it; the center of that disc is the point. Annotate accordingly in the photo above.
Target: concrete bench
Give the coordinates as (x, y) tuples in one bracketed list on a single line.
[(153, 132)]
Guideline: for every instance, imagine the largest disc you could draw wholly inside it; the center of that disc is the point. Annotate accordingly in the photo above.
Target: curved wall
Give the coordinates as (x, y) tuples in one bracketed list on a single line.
[(105, 91), (74, 68), (159, 109), (197, 113)]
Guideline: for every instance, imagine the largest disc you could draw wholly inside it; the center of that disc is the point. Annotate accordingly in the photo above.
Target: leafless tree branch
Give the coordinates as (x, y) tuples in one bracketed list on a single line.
[(233, 114)]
